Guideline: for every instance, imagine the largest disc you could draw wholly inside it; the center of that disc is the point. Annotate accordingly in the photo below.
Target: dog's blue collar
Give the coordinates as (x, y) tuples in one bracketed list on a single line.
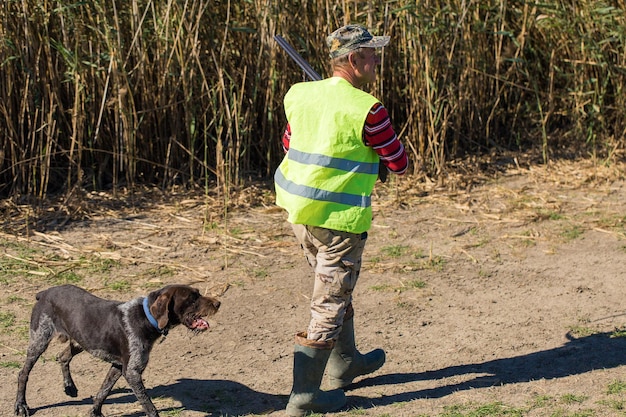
[(151, 319)]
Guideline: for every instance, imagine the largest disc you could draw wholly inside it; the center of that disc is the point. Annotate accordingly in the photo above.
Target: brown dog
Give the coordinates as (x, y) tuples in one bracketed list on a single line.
[(121, 333)]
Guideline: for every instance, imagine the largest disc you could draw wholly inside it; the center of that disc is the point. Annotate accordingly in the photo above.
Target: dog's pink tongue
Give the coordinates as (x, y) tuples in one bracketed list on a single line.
[(200, 324)]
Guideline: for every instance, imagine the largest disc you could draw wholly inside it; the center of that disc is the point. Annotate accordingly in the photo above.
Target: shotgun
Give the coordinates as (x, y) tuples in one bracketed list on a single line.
[(293, 54)]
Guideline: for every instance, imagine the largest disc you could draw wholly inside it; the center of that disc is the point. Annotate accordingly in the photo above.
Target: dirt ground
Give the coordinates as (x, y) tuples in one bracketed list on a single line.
[(493, 297)]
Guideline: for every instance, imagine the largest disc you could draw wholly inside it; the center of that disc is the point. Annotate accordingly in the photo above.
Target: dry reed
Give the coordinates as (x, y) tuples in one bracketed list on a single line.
[(105, 95)]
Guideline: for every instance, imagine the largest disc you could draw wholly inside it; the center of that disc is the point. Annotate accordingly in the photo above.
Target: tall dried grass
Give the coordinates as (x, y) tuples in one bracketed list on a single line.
[(108, 94)]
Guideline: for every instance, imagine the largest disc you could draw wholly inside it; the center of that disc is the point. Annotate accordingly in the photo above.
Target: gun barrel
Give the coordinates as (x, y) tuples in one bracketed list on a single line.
[(293, 54)]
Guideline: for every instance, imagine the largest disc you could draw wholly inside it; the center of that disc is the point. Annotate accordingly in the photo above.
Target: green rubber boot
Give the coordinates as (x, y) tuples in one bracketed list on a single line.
[(309, 360), (346, 362)]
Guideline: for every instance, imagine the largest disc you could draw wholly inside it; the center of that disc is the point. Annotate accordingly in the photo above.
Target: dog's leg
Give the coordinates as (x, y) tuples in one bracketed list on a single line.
[(39, 340), (64, 359), (114, 374), (133, 376)]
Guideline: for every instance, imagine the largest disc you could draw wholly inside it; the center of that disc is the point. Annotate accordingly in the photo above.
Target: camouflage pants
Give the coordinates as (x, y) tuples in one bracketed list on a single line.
[(336, 260)]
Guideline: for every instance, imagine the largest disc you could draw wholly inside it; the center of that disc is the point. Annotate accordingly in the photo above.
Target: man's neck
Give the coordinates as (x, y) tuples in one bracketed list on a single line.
[(347, 75)]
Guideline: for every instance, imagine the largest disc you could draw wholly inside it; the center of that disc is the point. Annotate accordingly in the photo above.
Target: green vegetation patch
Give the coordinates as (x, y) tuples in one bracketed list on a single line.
[(10, 365), (572, 233), (616, 387), (7, 319), (395, 251), (496, 409)]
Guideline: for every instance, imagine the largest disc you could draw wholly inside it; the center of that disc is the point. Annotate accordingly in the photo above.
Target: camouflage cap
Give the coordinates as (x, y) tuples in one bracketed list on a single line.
[(352, 37)]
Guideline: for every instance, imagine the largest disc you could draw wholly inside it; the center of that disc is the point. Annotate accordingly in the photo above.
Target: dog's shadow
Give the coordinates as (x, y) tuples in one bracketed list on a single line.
[(210, 397), (220, 397)]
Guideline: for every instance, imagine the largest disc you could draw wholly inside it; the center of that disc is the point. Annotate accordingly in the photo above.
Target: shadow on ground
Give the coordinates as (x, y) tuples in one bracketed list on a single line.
[(228, 398), (577, 356), (212, 398)]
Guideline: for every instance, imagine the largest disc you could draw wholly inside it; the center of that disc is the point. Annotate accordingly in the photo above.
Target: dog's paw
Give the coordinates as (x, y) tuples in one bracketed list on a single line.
[(71, 391), (21, 409)]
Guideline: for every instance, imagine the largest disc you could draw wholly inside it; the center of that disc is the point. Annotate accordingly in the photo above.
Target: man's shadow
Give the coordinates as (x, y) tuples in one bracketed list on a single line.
[(577, 356)]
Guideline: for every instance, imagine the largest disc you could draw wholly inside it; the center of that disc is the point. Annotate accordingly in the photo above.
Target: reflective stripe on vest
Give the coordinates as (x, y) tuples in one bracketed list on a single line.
[(321, 195), (330, 162)]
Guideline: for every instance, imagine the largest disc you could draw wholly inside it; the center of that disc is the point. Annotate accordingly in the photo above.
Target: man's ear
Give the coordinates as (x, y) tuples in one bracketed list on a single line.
[(352, 59)]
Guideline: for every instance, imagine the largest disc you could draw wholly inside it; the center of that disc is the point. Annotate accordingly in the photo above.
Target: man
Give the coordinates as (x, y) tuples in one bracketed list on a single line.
[(335, 138)]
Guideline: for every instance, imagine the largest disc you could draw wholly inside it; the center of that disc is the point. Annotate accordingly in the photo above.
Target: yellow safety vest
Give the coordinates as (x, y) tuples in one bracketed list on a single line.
[(326, 178)]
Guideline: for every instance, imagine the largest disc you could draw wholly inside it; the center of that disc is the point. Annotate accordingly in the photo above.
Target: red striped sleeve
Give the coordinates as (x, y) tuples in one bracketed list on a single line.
[(286, 138), (379, 134)]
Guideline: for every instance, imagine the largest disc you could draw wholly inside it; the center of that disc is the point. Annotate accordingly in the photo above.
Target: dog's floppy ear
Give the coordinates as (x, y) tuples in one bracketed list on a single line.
[(160, 308)]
